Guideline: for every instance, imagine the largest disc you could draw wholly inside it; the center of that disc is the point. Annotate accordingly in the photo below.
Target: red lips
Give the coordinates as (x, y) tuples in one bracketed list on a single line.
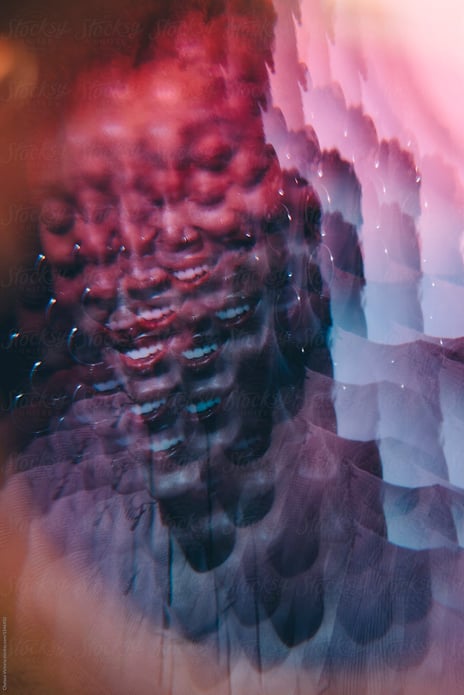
[(141, 355)]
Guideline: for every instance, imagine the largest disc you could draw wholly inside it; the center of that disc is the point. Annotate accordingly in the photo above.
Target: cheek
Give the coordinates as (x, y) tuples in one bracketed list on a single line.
[(58, 248), (250, 166), (67, 270), (208, 188), (68, 291), (256, 200)]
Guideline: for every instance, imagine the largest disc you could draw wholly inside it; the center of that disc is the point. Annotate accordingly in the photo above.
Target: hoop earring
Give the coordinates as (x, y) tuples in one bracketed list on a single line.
[(82, 349)]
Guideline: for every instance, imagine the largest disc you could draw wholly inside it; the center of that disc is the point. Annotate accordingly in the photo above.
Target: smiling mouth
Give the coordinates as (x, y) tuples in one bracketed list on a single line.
[(168, 440), (158, 316), (199, 352), (188, 278), (143, 353), (160, 444), (239, 312), (149, 408), (200, 355), (204, 408), (107, 386), (233, 312), (191, 274)]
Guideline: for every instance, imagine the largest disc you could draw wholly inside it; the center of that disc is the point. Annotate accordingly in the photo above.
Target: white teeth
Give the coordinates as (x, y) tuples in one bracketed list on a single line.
[(158, 444), (155, 314), (199, 352), (191, 273), (202, 406), (146, 408), (143, 352), (106, 385), (233, 312)]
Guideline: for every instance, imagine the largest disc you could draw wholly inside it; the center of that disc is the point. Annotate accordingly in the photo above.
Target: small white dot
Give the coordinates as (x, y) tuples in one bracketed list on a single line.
[(402, 386)]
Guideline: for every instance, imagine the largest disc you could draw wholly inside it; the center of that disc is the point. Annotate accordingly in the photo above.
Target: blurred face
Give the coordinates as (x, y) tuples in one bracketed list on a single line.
[(154, 225)]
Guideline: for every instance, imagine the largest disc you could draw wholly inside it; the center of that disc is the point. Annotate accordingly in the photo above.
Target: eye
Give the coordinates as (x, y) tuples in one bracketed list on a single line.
[(100, 213), (57, 216), (157, 202), (207, 198), (141, 211), (215, 160), (70, 271)]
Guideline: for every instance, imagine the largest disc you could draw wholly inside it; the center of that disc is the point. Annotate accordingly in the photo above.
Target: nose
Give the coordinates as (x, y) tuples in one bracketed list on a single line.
[(136, 229), (95, 242), (173, 185), (137, 240), (176, 235)]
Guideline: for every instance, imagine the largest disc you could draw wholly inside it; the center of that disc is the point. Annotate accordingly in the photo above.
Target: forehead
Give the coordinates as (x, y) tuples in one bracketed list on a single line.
[(162, 114)]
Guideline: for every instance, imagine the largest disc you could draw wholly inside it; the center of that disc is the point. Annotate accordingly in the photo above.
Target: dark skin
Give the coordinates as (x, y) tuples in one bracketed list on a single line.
[(161, 208)]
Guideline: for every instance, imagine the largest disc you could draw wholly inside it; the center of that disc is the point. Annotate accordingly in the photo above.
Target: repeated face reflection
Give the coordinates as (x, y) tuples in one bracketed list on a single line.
[(154, 224)]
